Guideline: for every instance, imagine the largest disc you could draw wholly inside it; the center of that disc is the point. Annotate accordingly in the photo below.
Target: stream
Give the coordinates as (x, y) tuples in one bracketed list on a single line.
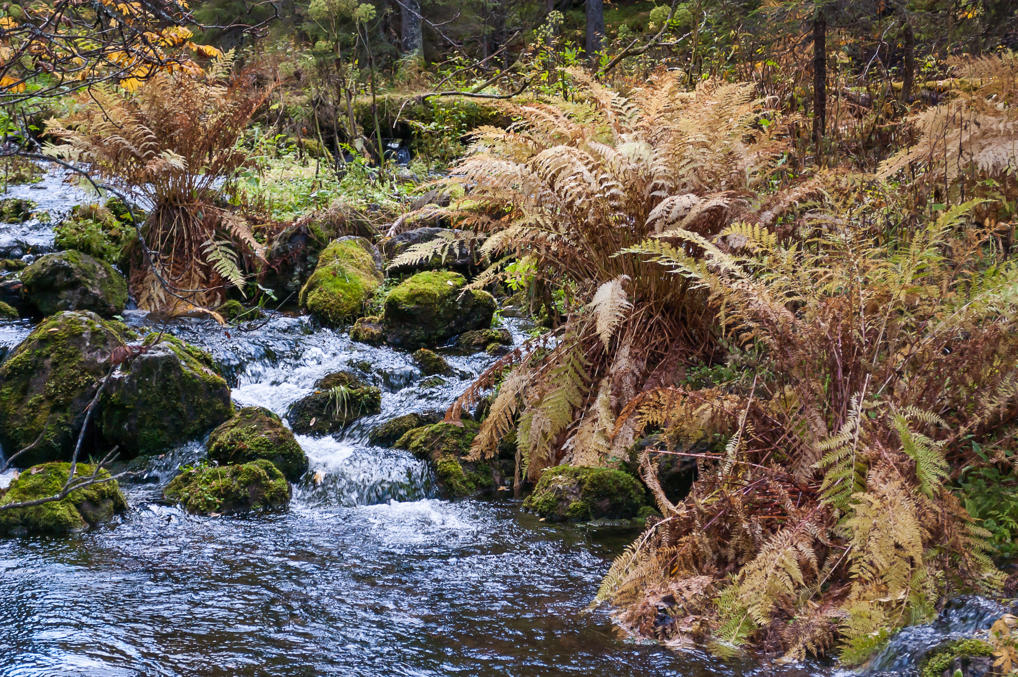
[(367, 573)]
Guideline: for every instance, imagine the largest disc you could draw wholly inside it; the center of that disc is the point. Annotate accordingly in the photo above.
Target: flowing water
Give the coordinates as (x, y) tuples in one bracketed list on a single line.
[(367, 573)]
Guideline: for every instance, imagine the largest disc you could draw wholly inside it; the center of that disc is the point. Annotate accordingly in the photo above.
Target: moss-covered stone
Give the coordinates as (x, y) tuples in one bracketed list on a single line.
[(447, 447), (16, 170), (338, 400), (16, 210), (254, 433), (955, 655), (7, 312), (71, 280), (484, 339), (388, 433), (231, 489), (233, 310), (12, 264), (579, 494), (84, 507), (170, 393), (368, 330), (346, 276), (98, 231), (431, 363), (432, 307), (48, 381)]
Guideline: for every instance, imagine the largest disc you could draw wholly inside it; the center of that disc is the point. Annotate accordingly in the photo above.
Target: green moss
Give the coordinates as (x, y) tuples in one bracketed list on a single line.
[(338, 400), (439, 439), (12, 264), (431, 307), (7, 312), (97, 231), (940, 659), (47, 382), (16, 210), (368, 330), (71, 280), (456, 482), (430, 362), (484, 339), (344, 279), (81, 508), (255, 433), (247, 487), (388, 433), (16, 170), (581, 494)]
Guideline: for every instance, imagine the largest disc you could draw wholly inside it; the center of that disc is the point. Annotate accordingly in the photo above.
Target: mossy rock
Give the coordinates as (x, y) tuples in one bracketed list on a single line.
[(346, 276), (580, 494), (170, 393), (48, 381), (71, 280), (16, 210), (80, 509), (962, 654), (7, 312), (338, 400), (8, 265), (368, 330), (233, 310), (231, 489), (388, 433), (447, 447), (476, 340), (431, 363), (98, 231), (254, 433), (432, 307), (16, 170)]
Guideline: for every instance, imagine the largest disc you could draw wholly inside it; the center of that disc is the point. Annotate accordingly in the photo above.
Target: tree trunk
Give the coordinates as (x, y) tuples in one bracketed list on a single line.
[(412, 37), (595, 26), (908, 76), (819, 77)]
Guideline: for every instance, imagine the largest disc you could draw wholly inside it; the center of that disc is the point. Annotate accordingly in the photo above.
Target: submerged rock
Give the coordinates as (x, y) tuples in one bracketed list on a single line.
[(231, 489), (256, 433), (388, 433), (432, 307), (447, 447), (48, 381), (431, 363), (170, 393), (580, 494), (346, 276), (338, 400), (71, 280), (80, 509)]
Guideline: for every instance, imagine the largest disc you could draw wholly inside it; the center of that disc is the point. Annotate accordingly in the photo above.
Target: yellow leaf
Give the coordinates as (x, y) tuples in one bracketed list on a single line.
[(11, 84), (7, 23)]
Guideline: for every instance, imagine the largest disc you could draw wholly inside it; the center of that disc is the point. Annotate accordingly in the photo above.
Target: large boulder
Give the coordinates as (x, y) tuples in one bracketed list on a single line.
[(447, 447), (580, 494), (49, 380), (255, 433), (346, 276), (81, 508), (338, 400), (432, 307), (231, 489), (170, 392), (71, 280)]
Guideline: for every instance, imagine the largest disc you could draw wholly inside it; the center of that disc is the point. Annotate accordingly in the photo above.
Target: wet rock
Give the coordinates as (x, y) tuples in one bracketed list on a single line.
[(431, 363), (169, 393), (101, 231), (432, 307), (368, 330), (447, 447), (968, 657), (235, 311), (388, 433), (255, 433), (12, 292), (16, 210), (476, 340), (461, 253), (48, 381), (232, 489), (74, 281), (338, 400), (80, 509), (580, 494), (7, 312), (346, 276)]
